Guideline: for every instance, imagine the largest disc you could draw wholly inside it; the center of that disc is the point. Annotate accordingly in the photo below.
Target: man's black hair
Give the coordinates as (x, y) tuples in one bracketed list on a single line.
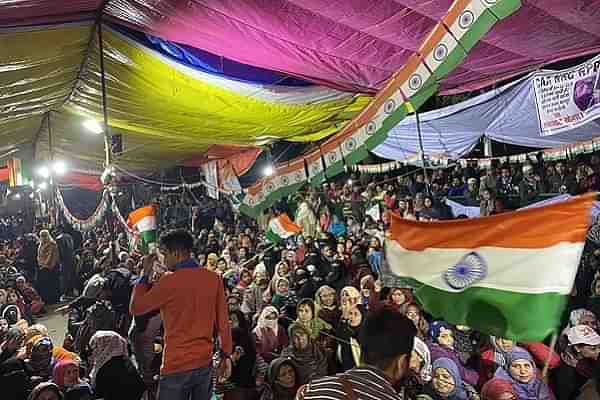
[(177, 239), (385, 335)]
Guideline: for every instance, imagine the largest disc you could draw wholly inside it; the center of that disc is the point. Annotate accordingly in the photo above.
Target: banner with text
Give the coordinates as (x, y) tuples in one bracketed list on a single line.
[(567, 99)]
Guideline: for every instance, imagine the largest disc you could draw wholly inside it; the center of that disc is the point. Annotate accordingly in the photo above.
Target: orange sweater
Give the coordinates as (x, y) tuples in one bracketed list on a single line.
[(192, 307)]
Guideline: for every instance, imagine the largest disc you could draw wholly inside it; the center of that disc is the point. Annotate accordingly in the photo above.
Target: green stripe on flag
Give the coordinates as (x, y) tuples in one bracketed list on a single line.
[(526, 317), (273, 237), (147, 238)]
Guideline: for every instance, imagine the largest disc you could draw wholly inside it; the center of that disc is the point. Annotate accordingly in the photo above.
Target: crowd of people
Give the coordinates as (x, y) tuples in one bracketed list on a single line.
[(276, 321)]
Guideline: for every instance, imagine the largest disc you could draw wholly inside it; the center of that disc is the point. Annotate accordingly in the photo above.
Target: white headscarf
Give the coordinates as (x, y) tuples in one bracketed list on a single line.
[(423, 351), (263, 322), (105, 346)]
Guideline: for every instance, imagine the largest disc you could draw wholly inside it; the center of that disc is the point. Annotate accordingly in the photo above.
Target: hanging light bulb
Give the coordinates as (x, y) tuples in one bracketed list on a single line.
[(268, 170)]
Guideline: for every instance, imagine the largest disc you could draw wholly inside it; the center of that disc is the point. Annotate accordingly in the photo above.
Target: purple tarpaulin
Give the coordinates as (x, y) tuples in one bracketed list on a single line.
[(355, 45)]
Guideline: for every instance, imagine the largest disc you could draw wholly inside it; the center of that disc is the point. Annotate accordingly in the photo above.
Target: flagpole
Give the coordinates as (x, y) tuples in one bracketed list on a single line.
[(550, 354), (422, 150)]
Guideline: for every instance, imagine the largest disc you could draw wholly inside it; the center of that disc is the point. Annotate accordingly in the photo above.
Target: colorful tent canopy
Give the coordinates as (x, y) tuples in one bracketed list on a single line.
[(357, 45), (166, 111), (170, 111)]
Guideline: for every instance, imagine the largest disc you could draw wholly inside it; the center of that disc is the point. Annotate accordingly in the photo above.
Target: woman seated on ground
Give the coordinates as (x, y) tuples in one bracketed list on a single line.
[(498, 389), (522, 373), (66, 375), (305, 310), (113, 375), (270, 337), (283, 380), (46, 391), (307, 354), (447, 384), (443, 346)]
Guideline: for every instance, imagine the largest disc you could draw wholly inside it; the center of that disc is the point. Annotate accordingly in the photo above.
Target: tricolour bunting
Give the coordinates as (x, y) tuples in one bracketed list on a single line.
[(282, 227), (507, 275), (143, 223)]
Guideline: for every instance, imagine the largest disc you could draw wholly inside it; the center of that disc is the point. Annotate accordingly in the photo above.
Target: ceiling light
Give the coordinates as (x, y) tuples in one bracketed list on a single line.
[(44, 172), (93, 126), (269, 170), (59, 167)]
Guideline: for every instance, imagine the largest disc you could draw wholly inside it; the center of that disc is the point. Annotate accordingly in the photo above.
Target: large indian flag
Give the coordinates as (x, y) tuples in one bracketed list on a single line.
[(143, 222), (282, 227), (507, 275)]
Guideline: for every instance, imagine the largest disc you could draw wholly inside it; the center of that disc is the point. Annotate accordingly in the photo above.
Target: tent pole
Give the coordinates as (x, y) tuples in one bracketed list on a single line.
[(107, 149), (422, 151)]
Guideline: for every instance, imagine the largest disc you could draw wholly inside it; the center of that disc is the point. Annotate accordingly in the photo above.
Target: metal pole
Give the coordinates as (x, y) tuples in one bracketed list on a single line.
[(104, 103), (422, 151), (53, 210), (107, 148)]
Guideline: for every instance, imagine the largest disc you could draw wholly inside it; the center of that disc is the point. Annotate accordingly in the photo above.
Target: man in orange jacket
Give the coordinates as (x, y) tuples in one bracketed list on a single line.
[(191, 301)]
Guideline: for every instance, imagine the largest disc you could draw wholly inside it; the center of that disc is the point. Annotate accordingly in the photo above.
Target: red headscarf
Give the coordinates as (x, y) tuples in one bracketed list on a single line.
[(58, 374), (496, 387)]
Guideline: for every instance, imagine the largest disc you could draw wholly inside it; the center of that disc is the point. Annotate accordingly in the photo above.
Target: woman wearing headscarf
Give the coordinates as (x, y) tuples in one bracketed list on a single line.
[(521, 372), (48, 277), (307, 354), (579, 359), (113, 375), (305, 311), (443, 346), (494, 356), (326, 305), (282, 292), (270, 337), (350, 298), (15, 380), (348, 351), (66, 374), (241, 384), (40, 358), (46, 391), (415, 314), (283, 380), (447, 383), (420, 368), (282, 270), (498, 389)]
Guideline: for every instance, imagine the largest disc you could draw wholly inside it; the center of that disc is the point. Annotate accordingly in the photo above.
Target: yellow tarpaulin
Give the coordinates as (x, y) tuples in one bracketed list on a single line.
[(166, 112)]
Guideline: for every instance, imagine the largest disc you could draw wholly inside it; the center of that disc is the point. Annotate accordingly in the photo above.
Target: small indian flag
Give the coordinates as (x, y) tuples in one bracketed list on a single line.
[(282, 227), (143, 221), (507, 275)]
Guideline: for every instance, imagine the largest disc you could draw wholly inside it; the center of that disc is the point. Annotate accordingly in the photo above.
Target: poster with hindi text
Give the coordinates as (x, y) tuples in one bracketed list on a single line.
[(569, 98)]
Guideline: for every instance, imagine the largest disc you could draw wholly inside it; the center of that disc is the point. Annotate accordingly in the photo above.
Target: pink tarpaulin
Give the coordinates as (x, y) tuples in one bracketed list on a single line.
[(356, 44)]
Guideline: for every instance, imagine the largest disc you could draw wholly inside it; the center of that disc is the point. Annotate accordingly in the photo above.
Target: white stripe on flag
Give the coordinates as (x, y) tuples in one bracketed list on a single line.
[(550, 269), (146, 224)]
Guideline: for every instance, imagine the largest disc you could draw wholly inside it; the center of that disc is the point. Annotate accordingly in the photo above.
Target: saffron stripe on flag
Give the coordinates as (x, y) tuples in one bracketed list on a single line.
[(530, 228)]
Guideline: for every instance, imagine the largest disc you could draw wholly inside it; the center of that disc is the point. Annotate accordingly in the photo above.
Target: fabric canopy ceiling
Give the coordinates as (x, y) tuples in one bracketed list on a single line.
[(166, 111), (356, 44), (170, 110), (507, 114)]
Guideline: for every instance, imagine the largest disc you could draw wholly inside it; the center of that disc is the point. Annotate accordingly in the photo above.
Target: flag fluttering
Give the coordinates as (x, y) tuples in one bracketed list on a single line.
[(507, 275), (143, 222), (281, 228)]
